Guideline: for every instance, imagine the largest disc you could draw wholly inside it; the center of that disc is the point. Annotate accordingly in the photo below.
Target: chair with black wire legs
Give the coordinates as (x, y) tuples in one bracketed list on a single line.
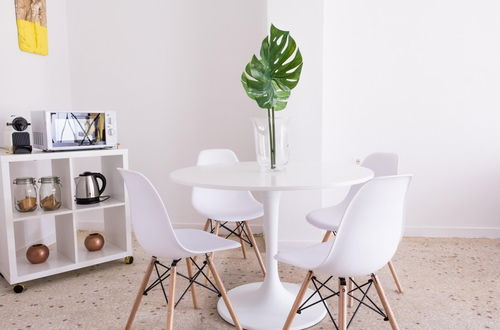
[(328, 218), (155, 234), (367, 238), (227, 209)]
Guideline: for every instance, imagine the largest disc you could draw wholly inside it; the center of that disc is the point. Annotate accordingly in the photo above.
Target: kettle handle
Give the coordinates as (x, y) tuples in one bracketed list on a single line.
[(103, 182)]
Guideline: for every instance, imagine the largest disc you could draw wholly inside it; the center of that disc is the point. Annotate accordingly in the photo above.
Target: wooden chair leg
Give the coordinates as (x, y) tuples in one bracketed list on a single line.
[(298, 300), (171, 298), (342, 304), (205, 228), (193, 286), (223, 293), (216, 233), (140, 293), (207, 224), (395, 276), (385, 303), (350, 300), (255, 247), (327, 236), (242, 242)]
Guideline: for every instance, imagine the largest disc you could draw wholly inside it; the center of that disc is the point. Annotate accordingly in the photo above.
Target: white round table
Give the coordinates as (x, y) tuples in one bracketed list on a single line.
[(265, 305)]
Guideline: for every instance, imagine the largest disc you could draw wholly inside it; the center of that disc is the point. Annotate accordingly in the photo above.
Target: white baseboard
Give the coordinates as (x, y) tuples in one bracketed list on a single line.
[(414, 231), (256, 228), (99, 226), (436, 232), (460, 232)]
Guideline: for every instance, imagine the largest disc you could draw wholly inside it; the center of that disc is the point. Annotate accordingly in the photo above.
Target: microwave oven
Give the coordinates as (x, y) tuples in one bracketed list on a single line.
[(72, 130)]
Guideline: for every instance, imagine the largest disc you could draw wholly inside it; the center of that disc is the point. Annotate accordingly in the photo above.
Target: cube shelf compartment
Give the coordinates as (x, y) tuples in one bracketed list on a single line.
[(68, 253)]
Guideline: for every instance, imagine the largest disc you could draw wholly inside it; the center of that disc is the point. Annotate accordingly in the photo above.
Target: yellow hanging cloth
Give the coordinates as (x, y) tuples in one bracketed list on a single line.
[(31, 18)]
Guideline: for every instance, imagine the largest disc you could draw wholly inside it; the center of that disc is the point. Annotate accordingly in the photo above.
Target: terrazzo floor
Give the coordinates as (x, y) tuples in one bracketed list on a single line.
[(449, 284)]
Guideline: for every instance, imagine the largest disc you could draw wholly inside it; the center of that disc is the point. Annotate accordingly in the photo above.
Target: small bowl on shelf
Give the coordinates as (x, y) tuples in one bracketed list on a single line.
[(94, 242), (37, 253)]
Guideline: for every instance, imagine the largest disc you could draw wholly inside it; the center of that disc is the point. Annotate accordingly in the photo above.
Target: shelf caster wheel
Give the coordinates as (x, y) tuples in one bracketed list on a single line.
[(128, 260), (18, 288)]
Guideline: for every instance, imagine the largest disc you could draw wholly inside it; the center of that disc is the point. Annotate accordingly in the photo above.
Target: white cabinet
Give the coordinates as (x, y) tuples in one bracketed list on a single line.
[(68, 252)]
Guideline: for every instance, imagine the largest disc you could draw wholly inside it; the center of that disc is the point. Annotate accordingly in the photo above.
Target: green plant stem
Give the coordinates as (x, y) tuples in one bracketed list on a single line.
[(272, 143), (274, 139)]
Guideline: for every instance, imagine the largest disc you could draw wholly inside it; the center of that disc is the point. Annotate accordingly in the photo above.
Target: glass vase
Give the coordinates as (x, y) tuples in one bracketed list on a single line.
[(264, 144)]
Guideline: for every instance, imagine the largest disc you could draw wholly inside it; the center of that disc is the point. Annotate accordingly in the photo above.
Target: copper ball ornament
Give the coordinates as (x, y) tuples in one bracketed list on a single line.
[(38, 253), (94, 242)]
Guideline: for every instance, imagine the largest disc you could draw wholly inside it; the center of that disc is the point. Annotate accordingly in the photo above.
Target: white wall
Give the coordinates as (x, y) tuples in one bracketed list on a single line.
[(171, 69), (33, 82), (28, 81), (305, 107), (421, 79)]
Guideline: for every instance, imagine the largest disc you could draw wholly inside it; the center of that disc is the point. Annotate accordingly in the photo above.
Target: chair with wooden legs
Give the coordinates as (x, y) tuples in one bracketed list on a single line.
[(328, 219), (229, 210), (155, 234), (367, 238)]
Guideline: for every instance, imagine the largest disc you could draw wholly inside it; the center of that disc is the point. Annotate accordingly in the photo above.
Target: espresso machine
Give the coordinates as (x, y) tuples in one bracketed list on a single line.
[(21, 143)]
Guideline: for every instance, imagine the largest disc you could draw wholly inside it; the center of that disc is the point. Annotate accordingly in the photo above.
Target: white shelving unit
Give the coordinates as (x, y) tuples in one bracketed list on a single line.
[(69, 252)]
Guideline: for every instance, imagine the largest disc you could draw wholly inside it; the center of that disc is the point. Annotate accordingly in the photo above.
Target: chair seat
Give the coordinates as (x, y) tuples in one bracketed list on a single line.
[(328, 218), (200, 242), (306, 258), (249, 210)]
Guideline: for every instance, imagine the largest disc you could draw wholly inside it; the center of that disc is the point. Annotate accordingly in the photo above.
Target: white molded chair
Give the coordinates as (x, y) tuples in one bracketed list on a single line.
[(382, 164), (156, 235), (367, 238), (222, 207)]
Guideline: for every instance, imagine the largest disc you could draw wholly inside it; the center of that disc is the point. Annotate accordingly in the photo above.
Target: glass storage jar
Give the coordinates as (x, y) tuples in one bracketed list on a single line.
[(25, 194), (50, 193)]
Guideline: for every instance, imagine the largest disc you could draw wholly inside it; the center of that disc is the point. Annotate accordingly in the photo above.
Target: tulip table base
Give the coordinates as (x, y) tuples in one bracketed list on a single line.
[(257, 310), (265, 305)]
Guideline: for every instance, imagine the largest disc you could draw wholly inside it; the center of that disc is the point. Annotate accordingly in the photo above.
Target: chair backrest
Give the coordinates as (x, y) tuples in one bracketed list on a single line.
[(216, 156), (150, 219), (206, 200), (371, 228), (381, 163)]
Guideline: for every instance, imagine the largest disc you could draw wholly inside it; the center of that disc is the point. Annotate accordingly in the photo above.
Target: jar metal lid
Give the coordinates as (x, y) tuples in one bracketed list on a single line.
[(25, 180), (50, 179)]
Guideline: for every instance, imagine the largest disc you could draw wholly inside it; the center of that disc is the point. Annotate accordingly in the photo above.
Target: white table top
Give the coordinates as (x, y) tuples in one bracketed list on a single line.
[(248, 176)]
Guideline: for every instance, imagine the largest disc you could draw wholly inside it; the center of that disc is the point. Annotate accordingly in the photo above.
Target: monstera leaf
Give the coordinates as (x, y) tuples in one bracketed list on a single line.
[(270, 79)]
